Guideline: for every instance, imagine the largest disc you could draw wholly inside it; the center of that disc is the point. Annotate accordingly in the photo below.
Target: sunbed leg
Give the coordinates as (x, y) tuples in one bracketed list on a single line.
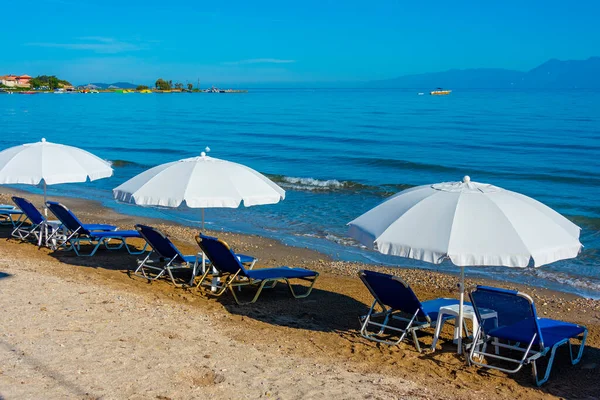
[(367, 318), (173, 278), (258, 292), (539, 382), (77, 248), (416, 340), (385, 322), (227, 283), (307, 292), (106, 242), (549, 366), (135, 253), (581, 347)]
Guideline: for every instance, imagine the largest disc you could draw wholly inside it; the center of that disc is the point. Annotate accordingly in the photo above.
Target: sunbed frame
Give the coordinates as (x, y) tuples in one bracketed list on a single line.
[(31, 225), (399, 304), (531, 351), (78, 234), (231, 273), (170, 258)]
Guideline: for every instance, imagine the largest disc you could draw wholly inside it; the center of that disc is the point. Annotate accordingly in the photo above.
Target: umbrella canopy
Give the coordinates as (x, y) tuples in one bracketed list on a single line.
[(53, 163), (200, 182), (470, 224)]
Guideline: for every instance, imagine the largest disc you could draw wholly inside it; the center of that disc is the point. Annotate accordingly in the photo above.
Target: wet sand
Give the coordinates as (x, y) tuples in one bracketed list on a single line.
[(73, 327)]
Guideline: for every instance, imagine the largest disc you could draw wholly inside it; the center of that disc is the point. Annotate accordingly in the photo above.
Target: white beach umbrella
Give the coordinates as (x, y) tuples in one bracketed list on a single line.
[(200, 182), (470, 224), (51, 163)]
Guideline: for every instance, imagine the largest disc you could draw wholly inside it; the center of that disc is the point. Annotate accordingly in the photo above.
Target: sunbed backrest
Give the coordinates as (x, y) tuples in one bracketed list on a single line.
[(161, 244), (29, 210), (67, 218), (511, 306), (392, 292), (220, 255)]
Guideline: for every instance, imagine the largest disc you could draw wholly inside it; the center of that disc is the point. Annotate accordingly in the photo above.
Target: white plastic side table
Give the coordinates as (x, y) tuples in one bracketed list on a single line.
[(468, 313), (50, 232)]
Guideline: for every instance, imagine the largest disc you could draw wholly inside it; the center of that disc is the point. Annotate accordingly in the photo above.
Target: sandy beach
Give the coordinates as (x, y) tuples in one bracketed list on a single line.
[(87, 328)]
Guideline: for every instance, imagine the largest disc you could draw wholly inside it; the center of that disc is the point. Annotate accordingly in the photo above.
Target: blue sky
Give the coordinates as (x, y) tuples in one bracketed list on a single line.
[(250, 42)]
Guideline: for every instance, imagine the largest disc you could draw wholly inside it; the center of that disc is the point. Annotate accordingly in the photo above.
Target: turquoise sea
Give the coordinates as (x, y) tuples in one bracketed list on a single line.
[(339, 152)]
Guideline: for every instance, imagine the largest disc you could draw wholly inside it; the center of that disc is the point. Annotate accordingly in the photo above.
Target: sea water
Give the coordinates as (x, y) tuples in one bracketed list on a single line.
[(339, 152)]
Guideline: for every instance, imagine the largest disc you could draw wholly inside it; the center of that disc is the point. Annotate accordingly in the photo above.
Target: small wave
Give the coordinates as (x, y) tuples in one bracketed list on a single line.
[(125, 163), (312, 184), (344, 241), (586, 284)]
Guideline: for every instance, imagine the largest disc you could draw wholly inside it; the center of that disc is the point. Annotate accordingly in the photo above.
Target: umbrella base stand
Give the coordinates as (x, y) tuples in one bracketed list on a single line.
[(214, 286)]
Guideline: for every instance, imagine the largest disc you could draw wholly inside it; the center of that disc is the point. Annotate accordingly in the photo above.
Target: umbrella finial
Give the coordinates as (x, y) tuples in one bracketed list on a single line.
[(466, 179), (43, 140), (203, 154)]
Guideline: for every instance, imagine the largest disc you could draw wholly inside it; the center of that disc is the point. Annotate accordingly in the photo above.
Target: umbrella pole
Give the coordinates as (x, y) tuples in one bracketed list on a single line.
[(461, 287), (44, 230), (45, 208), (216, 279), (194, 272), (203, 255)]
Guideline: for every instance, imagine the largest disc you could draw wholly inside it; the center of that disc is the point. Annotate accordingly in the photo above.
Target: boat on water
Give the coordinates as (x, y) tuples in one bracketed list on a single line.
[(440, 92), (28, 92), (59, 91)]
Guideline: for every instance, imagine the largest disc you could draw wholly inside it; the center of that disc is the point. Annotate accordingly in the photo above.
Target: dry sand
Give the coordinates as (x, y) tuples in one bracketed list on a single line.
[(73, 327)]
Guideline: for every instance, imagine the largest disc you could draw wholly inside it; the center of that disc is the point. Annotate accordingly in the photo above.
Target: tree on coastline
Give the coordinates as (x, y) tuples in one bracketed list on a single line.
[(190, 86), (161, 84), (51, 82), (179, 85), (142, 87)]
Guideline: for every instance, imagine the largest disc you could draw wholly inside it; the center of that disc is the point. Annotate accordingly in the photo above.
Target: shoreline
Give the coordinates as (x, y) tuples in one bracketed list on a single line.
[(345, 268), (93, 316)]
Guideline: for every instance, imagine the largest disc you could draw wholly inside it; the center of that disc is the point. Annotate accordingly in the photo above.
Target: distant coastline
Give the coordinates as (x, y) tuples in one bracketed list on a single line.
[(25, 84), (553, 74)]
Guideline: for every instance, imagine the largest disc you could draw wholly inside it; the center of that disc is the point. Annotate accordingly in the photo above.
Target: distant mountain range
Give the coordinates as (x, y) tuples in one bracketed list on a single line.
[(120, 85), (553, 74)]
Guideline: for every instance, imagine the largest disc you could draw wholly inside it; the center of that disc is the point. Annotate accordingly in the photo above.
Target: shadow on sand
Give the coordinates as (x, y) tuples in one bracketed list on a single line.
[(323, 310)]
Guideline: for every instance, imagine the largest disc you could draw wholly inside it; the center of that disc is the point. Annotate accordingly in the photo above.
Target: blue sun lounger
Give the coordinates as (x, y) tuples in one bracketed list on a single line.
[(170, 258), (518, 330), (231, 270), (397, 302), (34, 225), (93, 234), (9, 215)]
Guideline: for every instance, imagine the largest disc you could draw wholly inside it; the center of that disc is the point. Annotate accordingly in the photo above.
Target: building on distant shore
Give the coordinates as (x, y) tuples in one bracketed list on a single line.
[(21, 81)]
